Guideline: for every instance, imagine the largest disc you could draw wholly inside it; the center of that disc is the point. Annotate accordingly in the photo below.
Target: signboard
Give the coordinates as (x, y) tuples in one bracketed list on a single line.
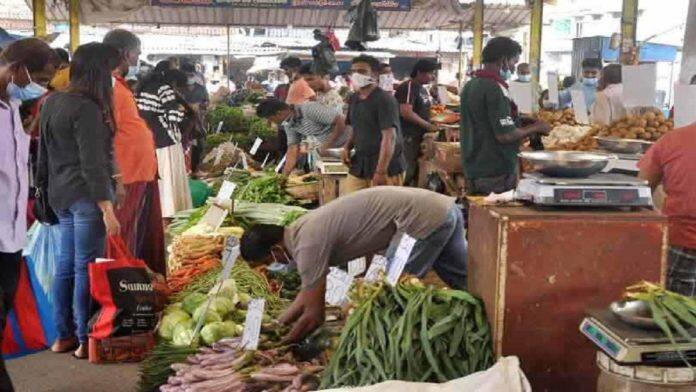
[(639, 85), (521, 93), (383, 5)]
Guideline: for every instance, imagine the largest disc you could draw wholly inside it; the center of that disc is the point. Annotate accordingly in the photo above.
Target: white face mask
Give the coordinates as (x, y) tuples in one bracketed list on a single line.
[(360, 80), (386, 82)]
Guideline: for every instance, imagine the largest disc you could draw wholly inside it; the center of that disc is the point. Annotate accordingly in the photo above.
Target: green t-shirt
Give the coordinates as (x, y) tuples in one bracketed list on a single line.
[(485, 112)]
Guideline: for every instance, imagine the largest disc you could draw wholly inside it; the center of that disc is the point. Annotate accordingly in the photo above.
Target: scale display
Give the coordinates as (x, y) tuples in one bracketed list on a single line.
[(596, 196)]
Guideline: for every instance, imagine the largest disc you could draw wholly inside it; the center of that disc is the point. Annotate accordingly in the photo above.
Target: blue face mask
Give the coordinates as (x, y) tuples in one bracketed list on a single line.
[(132, 72), (590, 82), (506, 75), (31, 91), (525, 78)]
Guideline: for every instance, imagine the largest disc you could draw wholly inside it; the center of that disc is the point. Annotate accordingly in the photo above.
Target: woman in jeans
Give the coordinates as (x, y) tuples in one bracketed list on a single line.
[(75, 165)]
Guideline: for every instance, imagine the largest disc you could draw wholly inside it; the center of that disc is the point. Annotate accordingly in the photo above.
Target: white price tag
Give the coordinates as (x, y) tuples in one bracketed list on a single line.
[(357, 266), (252, 325), (226, 191), (218, 155), (396, 266), (265, 160), (245, 164), (377, 267), (521, 93), (255, 146), (229, 256), (552, 79), (280, 164), (639, 85), (579, 106), (219, 127), (338, 283), (214, 217), (684, 104)]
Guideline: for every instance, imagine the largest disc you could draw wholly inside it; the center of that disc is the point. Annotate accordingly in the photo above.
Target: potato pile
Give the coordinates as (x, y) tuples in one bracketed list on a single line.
[(649, 126), (557, 117)]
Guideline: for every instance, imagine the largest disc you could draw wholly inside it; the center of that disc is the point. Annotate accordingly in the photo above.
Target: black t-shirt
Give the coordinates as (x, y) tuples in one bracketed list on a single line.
[(417, 96), (368, 118)]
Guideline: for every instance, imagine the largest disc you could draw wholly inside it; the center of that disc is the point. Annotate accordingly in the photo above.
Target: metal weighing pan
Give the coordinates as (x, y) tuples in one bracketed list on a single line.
[(566, 164), (636, 313), (336, 152), (623, 146)]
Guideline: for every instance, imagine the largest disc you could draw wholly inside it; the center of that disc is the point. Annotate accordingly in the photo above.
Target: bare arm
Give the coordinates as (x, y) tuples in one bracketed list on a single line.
[(409, 115), (339, 127), (539, 127), (291, 159), (386, 150)]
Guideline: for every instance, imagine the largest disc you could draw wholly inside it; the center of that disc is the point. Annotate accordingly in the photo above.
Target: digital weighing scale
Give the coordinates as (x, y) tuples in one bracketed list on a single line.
[(626, 344), (597, 190)]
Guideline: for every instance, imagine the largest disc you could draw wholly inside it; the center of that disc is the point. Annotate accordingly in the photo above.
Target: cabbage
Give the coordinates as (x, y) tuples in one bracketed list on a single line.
[(244, 299), (173, 307), (183, 334), (217, 330), (208, 316), (170, 320), (222, 305), (227, 288), (192, 301)]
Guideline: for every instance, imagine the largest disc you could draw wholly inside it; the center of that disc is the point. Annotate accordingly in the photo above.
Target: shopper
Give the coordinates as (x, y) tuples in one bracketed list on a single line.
[(21, 63), (299, 90), (386, 77), (140, 213), (323, 126), (157, 101), (671, 161), (591, 68), (195, 93), (608, 105), (75, 166), (414, 105), (524, 74), (374, 116), (489, 138), (319, 83), (358, 225)]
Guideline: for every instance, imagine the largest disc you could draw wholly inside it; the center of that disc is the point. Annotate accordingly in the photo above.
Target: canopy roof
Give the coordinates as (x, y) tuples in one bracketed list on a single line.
[(423, 14)]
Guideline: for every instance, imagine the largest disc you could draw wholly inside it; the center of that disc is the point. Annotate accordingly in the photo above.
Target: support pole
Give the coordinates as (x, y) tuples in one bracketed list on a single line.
[(460, 70), (74, 11), (478, 33), (39, 15), (629, 20), (535, 30), (688, 65), (227, 69)]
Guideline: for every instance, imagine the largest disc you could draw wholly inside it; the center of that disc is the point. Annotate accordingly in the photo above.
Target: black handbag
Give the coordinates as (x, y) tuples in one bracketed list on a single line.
[(42, 210)]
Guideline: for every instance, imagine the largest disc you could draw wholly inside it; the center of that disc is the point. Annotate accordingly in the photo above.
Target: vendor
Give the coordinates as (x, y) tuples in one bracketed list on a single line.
[(325, 124), (591, 69), (358, 225), (489, 138), (671, 161)]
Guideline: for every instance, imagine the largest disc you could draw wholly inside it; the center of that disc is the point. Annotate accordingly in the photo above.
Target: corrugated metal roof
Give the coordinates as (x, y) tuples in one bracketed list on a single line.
[(424, 15)]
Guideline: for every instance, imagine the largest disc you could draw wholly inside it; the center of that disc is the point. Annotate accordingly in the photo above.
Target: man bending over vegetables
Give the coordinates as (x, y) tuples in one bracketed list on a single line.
[(358, 225)]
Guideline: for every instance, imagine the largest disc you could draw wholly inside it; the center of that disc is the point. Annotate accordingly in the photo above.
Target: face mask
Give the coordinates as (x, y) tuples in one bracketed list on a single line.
[(191, 80), (506, 74), (132, 72), (525, 78), (386, 82), (360, 80), (590, 81), (31, 91)]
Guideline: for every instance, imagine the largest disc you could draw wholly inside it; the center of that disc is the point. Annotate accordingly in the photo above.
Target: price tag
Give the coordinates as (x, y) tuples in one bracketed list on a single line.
[(552, 79), (265, 160), (356, 267), (229, 256), (219, 127), (214, 217), (280, 164), (255, 146), (396, 266), (218, 155), (579, 106), (377, 267), (245, 164), (226, 191), (252, 325), (338, 283)]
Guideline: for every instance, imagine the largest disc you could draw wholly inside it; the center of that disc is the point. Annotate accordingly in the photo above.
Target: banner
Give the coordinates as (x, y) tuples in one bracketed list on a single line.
[(384, 5)]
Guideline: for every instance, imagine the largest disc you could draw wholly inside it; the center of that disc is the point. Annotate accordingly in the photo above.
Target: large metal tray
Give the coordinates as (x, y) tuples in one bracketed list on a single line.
[(623, 146), (570, 164)]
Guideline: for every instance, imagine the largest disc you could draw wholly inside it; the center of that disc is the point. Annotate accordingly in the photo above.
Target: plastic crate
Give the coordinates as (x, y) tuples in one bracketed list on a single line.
[(132, 348)]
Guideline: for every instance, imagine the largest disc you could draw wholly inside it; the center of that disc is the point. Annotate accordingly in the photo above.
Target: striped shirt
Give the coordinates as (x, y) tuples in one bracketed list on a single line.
[(159, 107), (312, 120)]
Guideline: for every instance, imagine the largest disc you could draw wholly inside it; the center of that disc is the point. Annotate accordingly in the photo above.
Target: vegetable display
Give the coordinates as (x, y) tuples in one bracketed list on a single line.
[(670, 311), (187, 249), (265, 213), (189, 269), (268, 188), (410, 332), (155, 369), (649, 126)]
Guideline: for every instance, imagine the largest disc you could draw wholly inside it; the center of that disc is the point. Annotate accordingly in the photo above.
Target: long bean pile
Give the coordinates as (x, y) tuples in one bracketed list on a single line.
[(155, 369), (255, 284), (410, 332)]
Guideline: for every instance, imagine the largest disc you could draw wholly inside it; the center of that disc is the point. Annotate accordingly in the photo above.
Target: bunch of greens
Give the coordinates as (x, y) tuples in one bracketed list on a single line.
[(268, 188), (156, 367), (247, 213), (245, 128), (184, 220), (410, 332), (289, 280)]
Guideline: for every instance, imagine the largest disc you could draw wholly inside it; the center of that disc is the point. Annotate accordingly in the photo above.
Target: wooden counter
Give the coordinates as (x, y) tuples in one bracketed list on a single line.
[(539, 270)]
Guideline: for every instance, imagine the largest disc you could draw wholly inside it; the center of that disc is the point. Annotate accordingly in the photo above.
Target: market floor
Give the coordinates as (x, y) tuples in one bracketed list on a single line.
[(49, 372)]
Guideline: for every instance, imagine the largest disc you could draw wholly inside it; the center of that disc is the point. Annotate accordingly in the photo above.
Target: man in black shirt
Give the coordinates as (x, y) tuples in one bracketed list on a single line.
[(374, 116), (414, 105)]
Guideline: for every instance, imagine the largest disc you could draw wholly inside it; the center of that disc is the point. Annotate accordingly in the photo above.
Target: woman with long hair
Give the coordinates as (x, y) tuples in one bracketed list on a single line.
[(160, 106), (75, 165), (608, 105)]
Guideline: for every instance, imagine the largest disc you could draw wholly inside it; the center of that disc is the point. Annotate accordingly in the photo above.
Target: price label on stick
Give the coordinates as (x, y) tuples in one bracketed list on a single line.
[(356, 267), (218, 155), (229, 256), (245, 164), (252, 325), (377, 267), (226, 191), (214, 217), (265, 160), (280, 164), (255, 146), (219, 127), (552, 78), (338, 283), (396, 266)]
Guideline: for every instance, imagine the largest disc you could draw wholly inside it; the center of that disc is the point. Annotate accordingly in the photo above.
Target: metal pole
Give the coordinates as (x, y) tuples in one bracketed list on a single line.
[(478, 33), (629, 19), (229, 74), (688, 62), (74, 10), (535, 31), (460, 76), (39, 16)]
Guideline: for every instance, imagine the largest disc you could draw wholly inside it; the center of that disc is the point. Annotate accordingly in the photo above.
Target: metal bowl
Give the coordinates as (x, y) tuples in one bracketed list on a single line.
[(623, 146), (566, 163), (634, 312)]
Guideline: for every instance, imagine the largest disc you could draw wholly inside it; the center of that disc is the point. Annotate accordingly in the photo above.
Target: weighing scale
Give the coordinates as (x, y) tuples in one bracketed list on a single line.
[(626, 344), (597, 190)]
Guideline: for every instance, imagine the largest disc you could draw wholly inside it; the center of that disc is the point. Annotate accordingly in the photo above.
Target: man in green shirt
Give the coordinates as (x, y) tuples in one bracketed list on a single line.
[(490, 136)]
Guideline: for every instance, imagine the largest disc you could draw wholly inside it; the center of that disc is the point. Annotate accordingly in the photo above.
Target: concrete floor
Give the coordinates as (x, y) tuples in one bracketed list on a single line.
[(47, 371)]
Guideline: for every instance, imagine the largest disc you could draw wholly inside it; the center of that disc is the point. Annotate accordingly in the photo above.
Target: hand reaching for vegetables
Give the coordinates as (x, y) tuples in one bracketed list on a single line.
[(307, 313)]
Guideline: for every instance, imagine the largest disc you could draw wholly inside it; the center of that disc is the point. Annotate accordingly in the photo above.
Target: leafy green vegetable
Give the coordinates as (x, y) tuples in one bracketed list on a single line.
[(193, 301), (226, 288), (222, 305), (268, 188), (184, 335), (170, 321), (155, 369), (208, 314), (217, 330)]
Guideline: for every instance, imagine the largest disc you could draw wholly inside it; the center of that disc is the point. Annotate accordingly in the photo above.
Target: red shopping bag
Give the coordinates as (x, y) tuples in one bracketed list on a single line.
[(124, 291)]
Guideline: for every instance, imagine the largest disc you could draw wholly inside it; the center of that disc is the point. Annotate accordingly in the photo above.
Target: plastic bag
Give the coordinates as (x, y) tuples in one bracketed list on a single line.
[(364, 28), (42, 252)]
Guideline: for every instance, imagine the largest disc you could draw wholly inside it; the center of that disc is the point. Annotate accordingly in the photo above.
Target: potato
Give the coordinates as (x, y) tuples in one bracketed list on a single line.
[(650, 129), (649, 116), (659, 116), (663, 129)]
